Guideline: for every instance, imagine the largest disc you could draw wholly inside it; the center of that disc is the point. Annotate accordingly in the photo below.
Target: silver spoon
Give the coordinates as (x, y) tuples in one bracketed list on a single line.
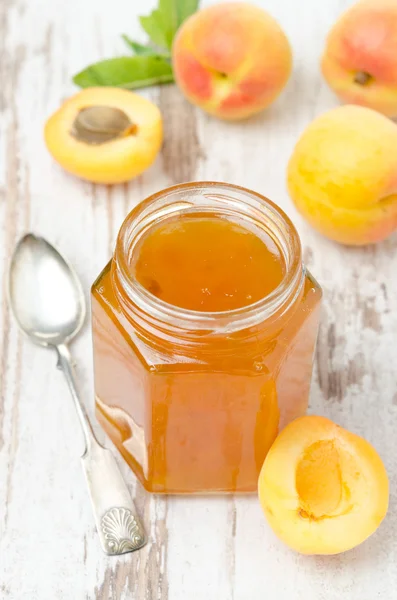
[(48, 303)]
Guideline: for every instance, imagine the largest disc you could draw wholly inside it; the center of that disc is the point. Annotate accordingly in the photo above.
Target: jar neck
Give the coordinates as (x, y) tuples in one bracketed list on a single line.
[(227, 201)]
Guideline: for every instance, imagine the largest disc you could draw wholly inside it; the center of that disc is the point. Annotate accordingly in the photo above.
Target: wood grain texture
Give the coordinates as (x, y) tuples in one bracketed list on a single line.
[(200, 548)]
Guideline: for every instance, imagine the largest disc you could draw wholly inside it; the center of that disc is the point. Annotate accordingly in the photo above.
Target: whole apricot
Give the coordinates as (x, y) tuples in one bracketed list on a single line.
[(360, 56), (231, 59), (342, 175), (323, 489), (105, 135)]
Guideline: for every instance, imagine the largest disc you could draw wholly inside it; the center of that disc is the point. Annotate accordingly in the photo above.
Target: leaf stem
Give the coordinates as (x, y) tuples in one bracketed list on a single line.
[(142, 83)]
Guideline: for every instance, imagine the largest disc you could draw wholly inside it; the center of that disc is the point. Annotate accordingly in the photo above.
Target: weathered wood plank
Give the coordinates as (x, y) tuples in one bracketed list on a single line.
[(200, 548)]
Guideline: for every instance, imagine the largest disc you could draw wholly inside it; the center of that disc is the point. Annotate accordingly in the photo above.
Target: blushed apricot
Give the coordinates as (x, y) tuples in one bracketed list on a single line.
[(231, 59), (323, 489), (342, 175), (360, 57), (105, 135)]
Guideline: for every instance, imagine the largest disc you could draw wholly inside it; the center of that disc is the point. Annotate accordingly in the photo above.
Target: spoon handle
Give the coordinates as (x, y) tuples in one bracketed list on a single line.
[(118, 525), (65, 364)]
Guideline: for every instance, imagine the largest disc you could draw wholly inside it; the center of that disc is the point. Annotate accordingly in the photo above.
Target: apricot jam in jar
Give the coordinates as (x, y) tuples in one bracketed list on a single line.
[(204, 328)]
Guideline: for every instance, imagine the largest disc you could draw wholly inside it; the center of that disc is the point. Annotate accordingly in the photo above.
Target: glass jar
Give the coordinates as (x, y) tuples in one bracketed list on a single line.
[(193, 400)]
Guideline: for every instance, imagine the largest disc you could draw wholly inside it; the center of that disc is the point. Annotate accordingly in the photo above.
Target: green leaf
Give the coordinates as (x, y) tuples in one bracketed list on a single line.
[(144, 50), (155, 27), (130, 72), (185, 9), (163, 22), (150, 65), (138, 48), (169, 11)]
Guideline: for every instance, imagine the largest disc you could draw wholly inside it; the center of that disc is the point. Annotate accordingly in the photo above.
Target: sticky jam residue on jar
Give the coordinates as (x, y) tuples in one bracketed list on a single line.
[(208, 264)]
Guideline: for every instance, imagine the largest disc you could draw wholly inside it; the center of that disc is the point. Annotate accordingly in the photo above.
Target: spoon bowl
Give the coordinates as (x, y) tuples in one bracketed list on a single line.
[(46, 296)]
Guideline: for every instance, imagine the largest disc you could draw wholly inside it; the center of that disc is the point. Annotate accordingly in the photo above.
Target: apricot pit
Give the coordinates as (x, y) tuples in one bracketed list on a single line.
[(323, 489), (100, 124), (105, 135)]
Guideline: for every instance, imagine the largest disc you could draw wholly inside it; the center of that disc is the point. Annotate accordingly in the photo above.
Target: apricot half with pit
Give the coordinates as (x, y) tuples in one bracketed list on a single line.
[(105, 135), (323, 489)]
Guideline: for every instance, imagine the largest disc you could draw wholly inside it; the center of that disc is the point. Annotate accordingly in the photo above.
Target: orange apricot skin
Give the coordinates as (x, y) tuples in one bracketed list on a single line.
[(342, 175), (364, 39), (364, 508), (231, 59), (112, 162)]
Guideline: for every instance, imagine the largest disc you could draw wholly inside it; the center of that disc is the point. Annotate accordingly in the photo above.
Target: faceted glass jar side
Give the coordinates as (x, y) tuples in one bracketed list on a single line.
[(199, 415)]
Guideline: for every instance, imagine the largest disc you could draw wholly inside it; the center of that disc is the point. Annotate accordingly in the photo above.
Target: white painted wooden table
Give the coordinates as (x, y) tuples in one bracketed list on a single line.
[(200, 548)]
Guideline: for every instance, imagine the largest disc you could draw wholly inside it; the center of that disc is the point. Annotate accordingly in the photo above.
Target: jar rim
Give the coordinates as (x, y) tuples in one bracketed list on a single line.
[(174, 317)]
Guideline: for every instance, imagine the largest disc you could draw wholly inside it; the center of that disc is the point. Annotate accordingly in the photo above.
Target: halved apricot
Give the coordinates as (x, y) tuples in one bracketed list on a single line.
[(105, 135), (323, 489)]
